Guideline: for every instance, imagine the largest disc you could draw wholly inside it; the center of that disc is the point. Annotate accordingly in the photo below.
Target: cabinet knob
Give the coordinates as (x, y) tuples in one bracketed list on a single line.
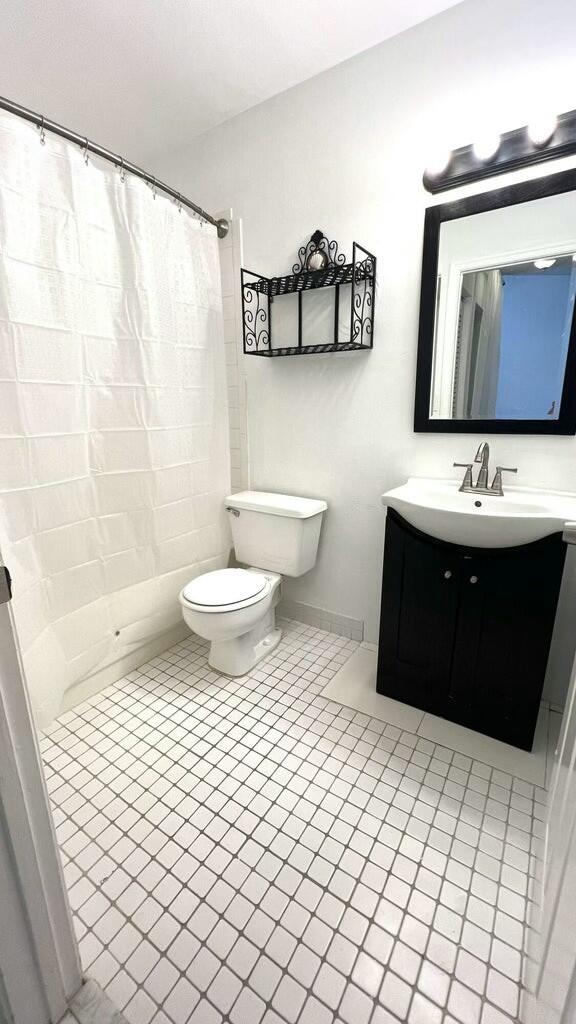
[(473, 579), (447, 574)]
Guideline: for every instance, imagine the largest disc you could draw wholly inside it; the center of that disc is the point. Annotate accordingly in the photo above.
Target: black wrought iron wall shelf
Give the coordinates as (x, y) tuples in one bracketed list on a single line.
[(320, 265)]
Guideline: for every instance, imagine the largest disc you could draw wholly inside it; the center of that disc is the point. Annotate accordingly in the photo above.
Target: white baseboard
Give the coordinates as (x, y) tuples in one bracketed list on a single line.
[(104, 677), (333, 622)]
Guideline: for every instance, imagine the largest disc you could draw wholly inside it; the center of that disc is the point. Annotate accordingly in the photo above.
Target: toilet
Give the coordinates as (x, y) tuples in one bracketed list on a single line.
[(276, 535)]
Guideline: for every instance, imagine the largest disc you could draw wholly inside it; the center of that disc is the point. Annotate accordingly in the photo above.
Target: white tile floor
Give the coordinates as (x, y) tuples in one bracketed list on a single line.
[(92, 1006), (249, 851), (354, 685)]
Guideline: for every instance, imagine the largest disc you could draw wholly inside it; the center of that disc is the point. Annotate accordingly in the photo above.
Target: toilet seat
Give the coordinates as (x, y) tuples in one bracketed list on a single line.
[(225, 590)]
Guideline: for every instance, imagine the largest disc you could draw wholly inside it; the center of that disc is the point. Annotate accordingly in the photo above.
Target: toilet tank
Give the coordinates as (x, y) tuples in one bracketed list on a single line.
[(278, 532)]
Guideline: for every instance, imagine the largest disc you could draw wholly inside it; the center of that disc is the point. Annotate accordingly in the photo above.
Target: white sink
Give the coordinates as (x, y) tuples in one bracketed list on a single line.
[(522, 515)]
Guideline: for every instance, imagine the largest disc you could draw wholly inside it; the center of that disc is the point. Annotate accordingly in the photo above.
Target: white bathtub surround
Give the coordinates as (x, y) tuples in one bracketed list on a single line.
[(248, 851), (102, 677), (113, 420)]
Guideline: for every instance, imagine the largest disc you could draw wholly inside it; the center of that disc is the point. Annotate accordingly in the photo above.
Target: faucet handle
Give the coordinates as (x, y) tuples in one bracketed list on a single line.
[(467, 481), (497, 481)]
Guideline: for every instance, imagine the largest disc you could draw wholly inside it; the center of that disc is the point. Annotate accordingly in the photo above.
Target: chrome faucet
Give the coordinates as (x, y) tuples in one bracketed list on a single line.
[(481, 486)]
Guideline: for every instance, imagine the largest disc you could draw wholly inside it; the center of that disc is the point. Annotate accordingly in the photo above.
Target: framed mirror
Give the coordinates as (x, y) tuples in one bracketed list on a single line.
[(497, 335)]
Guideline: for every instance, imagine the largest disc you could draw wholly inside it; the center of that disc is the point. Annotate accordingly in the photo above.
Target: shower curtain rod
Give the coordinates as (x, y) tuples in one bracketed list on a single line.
[(46, 125)]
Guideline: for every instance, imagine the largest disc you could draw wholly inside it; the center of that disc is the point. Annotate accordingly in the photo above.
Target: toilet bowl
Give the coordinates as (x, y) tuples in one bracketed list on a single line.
[(234, 609), (277, 535)]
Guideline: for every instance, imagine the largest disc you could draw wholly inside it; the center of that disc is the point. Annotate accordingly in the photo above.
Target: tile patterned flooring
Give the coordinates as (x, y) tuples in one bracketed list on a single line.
[(247, 851), (92, 1006)]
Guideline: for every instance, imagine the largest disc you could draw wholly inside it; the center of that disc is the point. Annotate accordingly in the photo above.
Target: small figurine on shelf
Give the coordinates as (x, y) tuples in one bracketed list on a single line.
[(318, 253), (317, 259)]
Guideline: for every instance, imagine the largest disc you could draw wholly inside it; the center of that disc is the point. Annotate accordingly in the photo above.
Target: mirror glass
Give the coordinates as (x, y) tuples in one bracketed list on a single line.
[(504, 308)]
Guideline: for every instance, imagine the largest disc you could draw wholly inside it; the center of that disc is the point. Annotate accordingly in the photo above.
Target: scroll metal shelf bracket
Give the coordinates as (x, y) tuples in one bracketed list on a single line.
[(320, 265)]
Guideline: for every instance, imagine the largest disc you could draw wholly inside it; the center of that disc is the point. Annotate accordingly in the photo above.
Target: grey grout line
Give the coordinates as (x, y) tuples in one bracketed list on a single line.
[(314, 701), (418, 733)]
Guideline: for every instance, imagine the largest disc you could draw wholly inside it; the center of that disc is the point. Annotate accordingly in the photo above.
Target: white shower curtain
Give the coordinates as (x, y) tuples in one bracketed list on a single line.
[(113, 421)]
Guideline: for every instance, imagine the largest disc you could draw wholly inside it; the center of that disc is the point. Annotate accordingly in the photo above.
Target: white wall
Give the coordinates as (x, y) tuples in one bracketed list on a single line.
[(345, 152)]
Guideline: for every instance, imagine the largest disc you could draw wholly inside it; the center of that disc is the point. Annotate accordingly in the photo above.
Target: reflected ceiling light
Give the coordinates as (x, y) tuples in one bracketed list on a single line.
[(543, 264), (438, 163), (485, 149), (542, 128)]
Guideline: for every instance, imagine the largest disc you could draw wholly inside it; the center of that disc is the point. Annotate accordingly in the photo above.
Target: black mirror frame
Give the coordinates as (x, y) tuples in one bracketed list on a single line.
[(540, 188)]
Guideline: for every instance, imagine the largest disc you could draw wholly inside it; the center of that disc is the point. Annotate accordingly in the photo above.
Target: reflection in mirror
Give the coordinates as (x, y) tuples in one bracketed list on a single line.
[(512, 339), (497, 332)]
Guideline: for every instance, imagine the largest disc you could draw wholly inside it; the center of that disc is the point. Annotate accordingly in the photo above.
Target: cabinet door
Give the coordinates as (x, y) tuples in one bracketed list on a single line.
[(418, 617), (505, 622)]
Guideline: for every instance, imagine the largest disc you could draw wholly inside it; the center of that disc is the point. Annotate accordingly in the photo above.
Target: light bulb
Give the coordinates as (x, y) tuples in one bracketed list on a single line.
[(438, 163), (486, 148), (544, 263), (541, 129)]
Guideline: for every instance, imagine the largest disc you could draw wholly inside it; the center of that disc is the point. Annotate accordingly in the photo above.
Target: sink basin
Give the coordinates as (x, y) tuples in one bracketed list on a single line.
[(522, 515)]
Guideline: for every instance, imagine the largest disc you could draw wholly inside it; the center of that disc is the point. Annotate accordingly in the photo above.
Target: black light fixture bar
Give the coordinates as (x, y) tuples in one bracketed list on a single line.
[(516, 149)]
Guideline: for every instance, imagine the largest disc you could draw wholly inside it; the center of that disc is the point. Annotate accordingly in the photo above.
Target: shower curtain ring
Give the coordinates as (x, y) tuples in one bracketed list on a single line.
[(42, 132), (85, 151), (179, 203), (154, 187), (122, 175)]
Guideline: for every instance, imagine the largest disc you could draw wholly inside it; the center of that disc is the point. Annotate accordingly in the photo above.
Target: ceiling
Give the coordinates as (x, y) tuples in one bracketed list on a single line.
[(142, 76)]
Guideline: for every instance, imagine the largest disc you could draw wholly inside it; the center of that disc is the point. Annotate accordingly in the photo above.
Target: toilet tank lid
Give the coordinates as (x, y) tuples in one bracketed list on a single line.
[(276, 504)]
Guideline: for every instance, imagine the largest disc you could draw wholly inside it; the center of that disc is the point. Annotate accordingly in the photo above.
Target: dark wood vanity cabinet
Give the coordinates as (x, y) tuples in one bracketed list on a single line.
[(465, 632)]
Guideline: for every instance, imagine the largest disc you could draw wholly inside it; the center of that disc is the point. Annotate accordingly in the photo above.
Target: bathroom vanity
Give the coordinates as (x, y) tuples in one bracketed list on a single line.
[(469, 595), (472, 568)]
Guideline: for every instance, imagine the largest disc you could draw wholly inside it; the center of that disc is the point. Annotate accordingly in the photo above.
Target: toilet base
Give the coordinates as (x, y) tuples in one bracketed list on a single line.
[(237, 656)]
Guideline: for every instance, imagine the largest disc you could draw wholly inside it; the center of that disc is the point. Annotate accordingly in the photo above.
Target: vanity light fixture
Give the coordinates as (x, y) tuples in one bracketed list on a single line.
[(486, 148), (543, 263), (546, 137), (438, 162), (542, 128)]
